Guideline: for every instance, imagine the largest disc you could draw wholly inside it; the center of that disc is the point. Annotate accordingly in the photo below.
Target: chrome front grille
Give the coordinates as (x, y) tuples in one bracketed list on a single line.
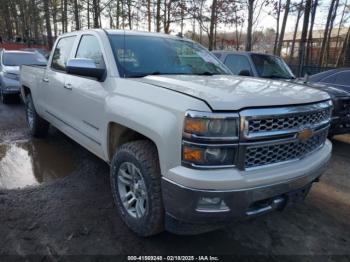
[(277, 135), (260, 155), (288, 122)]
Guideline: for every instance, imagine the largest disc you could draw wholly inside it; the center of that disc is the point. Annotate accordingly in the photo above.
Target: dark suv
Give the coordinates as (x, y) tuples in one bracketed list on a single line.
[(274, 67)]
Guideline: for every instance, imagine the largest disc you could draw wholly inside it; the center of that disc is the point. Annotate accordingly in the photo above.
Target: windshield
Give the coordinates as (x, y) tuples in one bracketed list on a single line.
[(271, 67), (17, 59), (139, 56)]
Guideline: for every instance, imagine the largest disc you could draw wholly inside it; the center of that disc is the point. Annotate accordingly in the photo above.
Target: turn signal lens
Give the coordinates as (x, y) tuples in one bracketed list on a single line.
[(195, 125), (208, 156), (192, 154)]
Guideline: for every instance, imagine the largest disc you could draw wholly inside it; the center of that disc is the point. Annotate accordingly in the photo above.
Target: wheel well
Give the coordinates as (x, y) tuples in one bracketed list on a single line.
[(119, 135), (26, 90)]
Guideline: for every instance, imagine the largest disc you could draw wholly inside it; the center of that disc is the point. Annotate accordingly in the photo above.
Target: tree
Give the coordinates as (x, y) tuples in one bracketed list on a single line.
[(48, 23), (308, 55), (300, 10), (325, 34), (212, 24), (248, 42), (344, 56), (96, 13), (329, 36), (149, 15), (76, 15), (283, 27), (277, 8), (303, 35), (254, 10)]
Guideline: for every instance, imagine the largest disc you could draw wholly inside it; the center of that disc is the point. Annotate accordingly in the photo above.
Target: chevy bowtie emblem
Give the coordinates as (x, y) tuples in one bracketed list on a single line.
[(305, 134)]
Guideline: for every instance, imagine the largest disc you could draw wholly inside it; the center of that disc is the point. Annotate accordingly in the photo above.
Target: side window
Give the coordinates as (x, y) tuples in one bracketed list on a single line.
[(62, 52), (237, 63), (343, 78), (90, 48)]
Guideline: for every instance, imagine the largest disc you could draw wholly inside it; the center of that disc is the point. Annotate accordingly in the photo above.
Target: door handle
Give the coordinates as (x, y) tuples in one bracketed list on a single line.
[(45, 80), (68, 86)]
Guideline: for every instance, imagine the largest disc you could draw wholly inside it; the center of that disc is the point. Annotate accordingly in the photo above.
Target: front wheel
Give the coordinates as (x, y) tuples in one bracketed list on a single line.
[(38, 126), (136, 187)]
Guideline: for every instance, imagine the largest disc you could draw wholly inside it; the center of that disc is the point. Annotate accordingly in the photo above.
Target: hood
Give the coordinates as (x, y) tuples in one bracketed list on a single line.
[(12, 69), (332, 91), (228, 92)]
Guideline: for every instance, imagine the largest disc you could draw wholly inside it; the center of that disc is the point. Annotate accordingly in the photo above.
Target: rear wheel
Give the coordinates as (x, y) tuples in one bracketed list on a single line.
[(38, 127), (135, 181)]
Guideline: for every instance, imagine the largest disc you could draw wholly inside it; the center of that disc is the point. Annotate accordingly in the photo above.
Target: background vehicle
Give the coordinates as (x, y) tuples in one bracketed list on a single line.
[(255, 64), (274, 67), (10, 62), (339, 78), (42, 51), (191, 146)]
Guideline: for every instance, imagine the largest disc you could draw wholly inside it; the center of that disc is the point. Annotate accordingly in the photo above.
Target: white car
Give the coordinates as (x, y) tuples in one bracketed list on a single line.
[(191, 147), (10, 63)]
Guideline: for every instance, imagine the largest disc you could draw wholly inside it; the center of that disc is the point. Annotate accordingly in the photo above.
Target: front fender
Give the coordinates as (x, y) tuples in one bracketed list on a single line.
[(160, 125), (155, 112)]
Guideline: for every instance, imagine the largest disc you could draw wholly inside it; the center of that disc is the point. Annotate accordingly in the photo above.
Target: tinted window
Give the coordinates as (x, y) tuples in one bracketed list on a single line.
[(62, 52), (320, 76), (90, 48), (330, 79), (17, 59), (343, 78), (139, 56), (269, 66), (237, 63)]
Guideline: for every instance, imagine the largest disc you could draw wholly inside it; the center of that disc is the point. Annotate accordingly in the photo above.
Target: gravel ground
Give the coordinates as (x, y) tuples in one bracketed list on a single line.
[(69, 210)]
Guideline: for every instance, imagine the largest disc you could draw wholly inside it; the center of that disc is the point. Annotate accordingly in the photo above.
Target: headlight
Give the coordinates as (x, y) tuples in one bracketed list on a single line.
[(210, 139), (11, 76), (211, 126)]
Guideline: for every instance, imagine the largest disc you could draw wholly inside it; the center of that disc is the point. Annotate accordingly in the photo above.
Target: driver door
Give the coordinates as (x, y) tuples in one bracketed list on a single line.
[(87, 97)]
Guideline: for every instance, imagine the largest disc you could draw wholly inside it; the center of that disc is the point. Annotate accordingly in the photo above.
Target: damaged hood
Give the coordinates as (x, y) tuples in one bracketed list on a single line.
[(228, 92)]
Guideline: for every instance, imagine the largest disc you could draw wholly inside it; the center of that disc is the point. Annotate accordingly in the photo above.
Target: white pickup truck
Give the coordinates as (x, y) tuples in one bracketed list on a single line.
[(191, 147)]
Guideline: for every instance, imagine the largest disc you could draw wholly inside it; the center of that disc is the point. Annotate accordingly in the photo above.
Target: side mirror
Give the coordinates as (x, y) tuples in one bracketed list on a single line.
[(85, 67), (244, 73)]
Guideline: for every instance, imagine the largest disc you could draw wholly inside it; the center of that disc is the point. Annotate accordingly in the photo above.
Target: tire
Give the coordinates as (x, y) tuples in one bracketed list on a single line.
[(4, 97), (142, 157), (38, 127)]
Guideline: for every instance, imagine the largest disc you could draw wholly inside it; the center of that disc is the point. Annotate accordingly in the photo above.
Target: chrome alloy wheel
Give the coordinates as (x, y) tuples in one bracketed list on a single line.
[(30, 115), (132, 190)]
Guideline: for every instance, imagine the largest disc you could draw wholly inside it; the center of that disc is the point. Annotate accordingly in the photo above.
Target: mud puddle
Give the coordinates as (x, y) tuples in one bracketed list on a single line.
[(32, 163)]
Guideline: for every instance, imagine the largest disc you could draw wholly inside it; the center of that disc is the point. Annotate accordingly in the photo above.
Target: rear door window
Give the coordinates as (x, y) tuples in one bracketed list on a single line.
[(62, 52), (237, 63)]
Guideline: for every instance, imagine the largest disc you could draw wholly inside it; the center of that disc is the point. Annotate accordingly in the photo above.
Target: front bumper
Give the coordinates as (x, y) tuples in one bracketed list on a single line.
[(10, 86), (340, 125), (182, 203)]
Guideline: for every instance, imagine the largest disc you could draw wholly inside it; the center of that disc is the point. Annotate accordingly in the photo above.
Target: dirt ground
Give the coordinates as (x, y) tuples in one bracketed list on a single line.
[(68, 209)]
